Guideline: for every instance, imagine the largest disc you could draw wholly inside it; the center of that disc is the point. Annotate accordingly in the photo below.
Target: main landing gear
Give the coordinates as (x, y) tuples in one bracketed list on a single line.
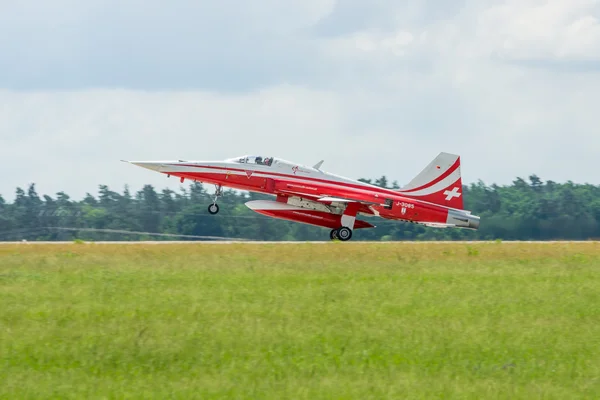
[(214, 207), (344, 233)]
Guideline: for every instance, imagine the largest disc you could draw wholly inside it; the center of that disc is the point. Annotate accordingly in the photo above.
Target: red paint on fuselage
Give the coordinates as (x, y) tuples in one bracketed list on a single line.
[(403, 208)]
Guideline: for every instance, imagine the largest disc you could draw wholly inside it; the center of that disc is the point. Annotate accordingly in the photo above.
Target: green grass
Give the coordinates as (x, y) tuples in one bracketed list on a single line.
[(300, 321)]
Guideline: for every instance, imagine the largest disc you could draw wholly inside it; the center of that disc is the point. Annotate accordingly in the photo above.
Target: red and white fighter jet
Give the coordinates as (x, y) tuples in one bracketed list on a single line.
[(312, 196)]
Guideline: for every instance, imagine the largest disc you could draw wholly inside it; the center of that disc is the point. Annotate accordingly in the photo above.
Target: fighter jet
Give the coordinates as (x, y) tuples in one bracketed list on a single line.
[(313, 196)]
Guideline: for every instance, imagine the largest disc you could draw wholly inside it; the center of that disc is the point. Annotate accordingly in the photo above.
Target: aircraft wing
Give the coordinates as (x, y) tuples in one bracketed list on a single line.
[(326, 198)]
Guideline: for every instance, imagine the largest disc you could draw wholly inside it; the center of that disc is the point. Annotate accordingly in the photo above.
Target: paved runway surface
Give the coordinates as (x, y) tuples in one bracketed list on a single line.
[(299, 242)]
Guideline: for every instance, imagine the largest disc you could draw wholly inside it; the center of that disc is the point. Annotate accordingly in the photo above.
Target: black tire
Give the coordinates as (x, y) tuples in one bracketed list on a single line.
[(213, 209), (344, 233), (333, 234)]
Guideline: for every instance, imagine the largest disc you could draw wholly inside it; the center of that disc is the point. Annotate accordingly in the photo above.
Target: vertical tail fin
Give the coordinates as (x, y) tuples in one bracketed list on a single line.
[(440, 182)]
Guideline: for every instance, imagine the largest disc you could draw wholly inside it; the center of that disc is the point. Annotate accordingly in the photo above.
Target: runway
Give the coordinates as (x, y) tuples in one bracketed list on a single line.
[(249, 242)]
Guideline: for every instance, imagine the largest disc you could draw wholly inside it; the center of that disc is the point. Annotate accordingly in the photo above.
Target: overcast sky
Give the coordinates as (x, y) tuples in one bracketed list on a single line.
[(373, 87)]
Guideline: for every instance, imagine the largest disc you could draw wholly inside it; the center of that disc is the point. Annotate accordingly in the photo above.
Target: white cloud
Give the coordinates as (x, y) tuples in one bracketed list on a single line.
[(182, 44), (526, 29), (368, 44)]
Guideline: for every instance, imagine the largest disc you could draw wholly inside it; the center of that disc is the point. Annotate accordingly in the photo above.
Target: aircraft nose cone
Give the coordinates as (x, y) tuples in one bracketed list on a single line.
[(148, 165)]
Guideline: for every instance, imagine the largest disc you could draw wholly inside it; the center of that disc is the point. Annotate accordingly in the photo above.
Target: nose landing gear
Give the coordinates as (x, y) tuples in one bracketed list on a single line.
[(214, 207)]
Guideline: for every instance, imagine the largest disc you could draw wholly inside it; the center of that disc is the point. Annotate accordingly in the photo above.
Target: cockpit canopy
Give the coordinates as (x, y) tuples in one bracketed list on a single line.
[(258, 160)]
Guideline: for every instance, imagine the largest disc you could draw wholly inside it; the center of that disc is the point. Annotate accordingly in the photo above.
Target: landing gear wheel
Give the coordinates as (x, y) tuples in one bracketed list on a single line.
[(333, 234), (213, 209), (344, 233)]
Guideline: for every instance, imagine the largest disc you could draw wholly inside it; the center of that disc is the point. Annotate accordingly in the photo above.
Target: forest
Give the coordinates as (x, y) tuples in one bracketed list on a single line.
[(527, 209)]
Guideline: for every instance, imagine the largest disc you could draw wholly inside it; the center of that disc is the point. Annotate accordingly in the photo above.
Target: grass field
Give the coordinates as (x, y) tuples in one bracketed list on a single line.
[(302, 321)]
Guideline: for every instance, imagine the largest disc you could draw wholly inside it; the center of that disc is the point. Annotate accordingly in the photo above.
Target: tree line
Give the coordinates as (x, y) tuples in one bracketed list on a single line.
[(524, 210)]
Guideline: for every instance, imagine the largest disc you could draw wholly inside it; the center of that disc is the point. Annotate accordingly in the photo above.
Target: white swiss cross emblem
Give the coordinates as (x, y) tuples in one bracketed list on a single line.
[(450, 194)]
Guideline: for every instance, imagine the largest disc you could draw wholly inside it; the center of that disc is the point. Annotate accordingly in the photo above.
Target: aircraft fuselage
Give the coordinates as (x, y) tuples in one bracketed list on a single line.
[(310, 193)]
